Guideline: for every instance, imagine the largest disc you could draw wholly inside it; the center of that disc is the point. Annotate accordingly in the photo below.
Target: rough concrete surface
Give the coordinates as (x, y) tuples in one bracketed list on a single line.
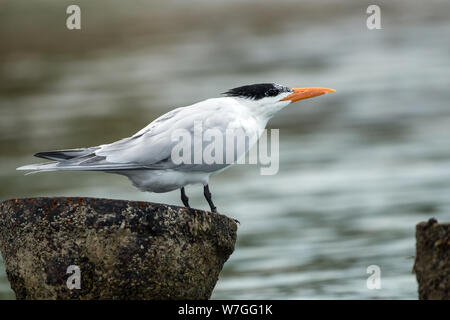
[(124, 249), (432, 265)]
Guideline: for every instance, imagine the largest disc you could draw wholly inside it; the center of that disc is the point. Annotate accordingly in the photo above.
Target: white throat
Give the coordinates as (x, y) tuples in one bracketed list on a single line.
[(264, 109)]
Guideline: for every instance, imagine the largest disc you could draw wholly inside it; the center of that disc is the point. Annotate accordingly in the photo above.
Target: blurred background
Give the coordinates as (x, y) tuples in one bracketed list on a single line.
[(358, 168)]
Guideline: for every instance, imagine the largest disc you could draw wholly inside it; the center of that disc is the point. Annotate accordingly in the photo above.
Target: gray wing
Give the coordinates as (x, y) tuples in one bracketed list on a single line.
[(150, 148)]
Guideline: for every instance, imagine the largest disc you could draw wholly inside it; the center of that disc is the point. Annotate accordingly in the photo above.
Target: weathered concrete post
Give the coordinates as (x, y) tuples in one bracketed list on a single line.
[(117, 249), (432, 265)]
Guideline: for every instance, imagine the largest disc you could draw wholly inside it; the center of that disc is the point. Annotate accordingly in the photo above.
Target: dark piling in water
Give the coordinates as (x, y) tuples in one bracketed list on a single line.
[(432, 265), (117, 249)]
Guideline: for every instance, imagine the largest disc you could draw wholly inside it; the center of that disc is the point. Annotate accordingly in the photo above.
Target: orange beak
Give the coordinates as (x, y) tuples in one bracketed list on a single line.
[(306, 93)]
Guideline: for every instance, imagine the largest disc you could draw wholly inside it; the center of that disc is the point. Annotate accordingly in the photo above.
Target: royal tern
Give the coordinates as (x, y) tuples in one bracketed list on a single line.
[(146, 157)]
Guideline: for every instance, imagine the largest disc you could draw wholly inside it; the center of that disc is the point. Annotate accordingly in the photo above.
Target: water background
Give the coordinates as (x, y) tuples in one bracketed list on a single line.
[(358, 168)]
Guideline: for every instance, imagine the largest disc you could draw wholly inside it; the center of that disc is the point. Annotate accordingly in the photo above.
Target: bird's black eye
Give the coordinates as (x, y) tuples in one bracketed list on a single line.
[(272, 92)]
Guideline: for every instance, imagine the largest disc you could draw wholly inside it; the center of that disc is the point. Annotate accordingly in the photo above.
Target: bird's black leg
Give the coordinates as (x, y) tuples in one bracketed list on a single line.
[(208, 198), (184, 198)]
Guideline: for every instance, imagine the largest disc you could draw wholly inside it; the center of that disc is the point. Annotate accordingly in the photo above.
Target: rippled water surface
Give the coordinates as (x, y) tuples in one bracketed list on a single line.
[(358, 168)]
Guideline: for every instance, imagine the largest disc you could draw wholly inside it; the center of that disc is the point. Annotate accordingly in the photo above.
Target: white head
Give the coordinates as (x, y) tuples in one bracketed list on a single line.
[(266, 99)]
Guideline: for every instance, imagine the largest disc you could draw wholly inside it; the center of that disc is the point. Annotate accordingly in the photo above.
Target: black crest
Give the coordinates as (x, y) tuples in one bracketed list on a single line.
[(257, 91)]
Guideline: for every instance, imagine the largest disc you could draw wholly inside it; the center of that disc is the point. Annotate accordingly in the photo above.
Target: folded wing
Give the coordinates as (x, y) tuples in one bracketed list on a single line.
[(150, 148)]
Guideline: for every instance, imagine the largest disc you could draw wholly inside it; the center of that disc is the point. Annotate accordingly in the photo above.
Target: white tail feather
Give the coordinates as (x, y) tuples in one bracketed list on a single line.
[(39, 167)]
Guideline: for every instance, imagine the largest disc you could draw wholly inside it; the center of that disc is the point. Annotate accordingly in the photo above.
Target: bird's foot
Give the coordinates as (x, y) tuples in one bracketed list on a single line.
[(185, 199)]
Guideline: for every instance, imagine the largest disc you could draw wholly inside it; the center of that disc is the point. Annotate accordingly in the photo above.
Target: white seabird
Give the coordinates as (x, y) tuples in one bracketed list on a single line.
[(146, 157)]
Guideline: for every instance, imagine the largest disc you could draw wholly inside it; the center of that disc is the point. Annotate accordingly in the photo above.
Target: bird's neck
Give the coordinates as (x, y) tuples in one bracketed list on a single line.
[(263, 112)]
